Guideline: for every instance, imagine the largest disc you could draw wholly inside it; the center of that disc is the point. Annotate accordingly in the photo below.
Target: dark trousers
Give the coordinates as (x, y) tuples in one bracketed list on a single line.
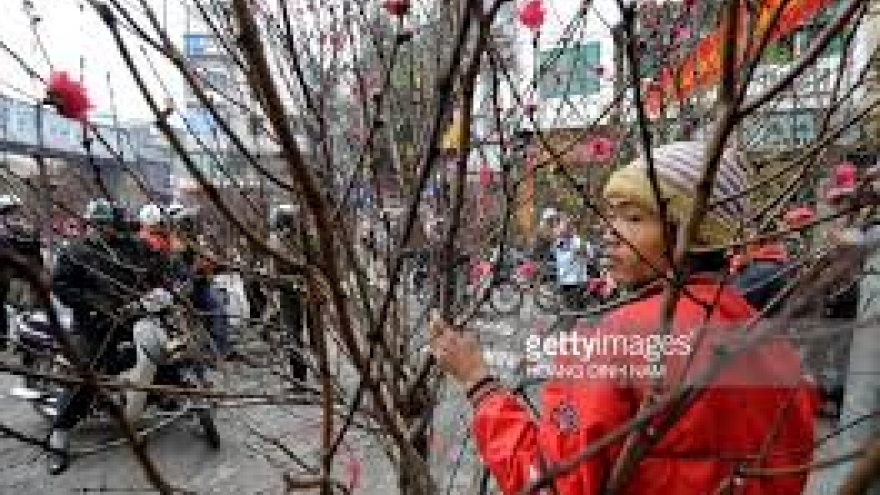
[(293, 325), (207, 301), (4, 322), (99, 345), (573, 296)]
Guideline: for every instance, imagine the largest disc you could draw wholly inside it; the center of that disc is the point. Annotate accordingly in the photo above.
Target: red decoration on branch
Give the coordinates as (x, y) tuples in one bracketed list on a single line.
[(680, 33), (68, 96), (532, 14), (397, 8), (601, 149), (798, 217), (843, 181), (486, 176)]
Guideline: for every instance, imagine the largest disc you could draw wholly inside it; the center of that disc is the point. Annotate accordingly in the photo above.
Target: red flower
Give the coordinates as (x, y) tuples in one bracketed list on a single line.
[(68, 96), (485, 176), (680, 33), (601, 149), (527, 270), (532, 15), (397, 8), (798, 217), (845, 175), (843, 182)]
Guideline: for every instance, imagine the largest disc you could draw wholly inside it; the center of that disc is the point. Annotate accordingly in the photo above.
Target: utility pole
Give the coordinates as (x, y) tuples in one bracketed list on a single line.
[(44, 186)]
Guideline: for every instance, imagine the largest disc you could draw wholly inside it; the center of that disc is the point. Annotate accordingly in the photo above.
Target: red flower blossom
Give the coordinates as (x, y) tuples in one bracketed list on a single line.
[(601, 149), (397, 8), (798, 217), (68, 96), (527, 270), (680, 33), (843, 182), (532, 15), (485, 176), (845, 175)]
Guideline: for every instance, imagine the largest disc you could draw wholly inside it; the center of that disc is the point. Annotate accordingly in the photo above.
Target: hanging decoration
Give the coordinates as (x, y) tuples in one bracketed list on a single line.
[(397, 8), (532, 14), (68, 96), (702, 67)]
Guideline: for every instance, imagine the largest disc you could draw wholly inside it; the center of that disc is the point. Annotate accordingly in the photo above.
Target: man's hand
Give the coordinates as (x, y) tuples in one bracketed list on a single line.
[(457, 354)]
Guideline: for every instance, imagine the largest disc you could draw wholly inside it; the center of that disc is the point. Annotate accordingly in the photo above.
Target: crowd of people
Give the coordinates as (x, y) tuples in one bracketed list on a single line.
[(107, 275)]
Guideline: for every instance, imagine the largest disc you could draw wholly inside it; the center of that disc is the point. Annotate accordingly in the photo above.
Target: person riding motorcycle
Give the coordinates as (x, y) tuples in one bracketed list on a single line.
[(95, 276), (193, 261), (153, 228), (19, 236)]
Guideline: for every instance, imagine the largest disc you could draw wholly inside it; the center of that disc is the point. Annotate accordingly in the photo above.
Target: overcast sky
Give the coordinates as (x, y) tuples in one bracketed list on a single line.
[(71, 30)]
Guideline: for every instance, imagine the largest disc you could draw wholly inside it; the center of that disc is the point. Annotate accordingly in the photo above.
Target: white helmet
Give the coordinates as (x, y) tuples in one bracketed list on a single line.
[(9, 202), (150, 215), (549, 214), (174, 209), (282, 216)]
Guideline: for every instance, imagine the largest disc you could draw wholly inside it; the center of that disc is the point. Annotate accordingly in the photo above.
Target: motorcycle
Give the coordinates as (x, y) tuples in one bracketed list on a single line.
[(160, 352)]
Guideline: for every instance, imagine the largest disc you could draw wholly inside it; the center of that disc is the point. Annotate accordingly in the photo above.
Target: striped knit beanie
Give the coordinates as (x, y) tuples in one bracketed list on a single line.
[(679, 167)]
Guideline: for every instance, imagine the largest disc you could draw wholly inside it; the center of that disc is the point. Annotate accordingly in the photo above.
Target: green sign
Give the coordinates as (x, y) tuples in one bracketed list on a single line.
[(569, 71)]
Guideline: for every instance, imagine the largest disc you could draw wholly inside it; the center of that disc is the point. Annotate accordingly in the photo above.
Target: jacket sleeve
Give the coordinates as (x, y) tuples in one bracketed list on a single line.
[(516, 447), (68, 280)]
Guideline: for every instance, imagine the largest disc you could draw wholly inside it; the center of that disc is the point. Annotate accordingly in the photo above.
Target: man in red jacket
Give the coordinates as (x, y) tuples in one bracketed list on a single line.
[(756, 413)]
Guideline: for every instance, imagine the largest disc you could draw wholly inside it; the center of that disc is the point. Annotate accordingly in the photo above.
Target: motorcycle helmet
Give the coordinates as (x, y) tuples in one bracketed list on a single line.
[(282, 217), (100, 210), (150, 215), (174, 209), (183, 219), (15, 223), (8, 203)]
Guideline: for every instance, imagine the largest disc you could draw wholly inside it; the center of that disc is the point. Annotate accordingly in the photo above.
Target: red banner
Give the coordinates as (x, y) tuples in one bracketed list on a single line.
[(702, 67)]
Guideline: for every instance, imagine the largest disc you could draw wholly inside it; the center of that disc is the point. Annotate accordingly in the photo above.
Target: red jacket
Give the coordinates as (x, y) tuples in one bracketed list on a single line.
[(155, 240), (732, 418)]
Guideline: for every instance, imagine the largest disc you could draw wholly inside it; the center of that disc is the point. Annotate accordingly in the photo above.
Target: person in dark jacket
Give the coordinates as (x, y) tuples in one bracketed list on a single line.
[(17, 235), (193, 261), (95, 277)]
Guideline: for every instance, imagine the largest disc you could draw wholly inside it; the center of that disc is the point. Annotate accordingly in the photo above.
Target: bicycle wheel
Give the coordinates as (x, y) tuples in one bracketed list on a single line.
[(506, 298)]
